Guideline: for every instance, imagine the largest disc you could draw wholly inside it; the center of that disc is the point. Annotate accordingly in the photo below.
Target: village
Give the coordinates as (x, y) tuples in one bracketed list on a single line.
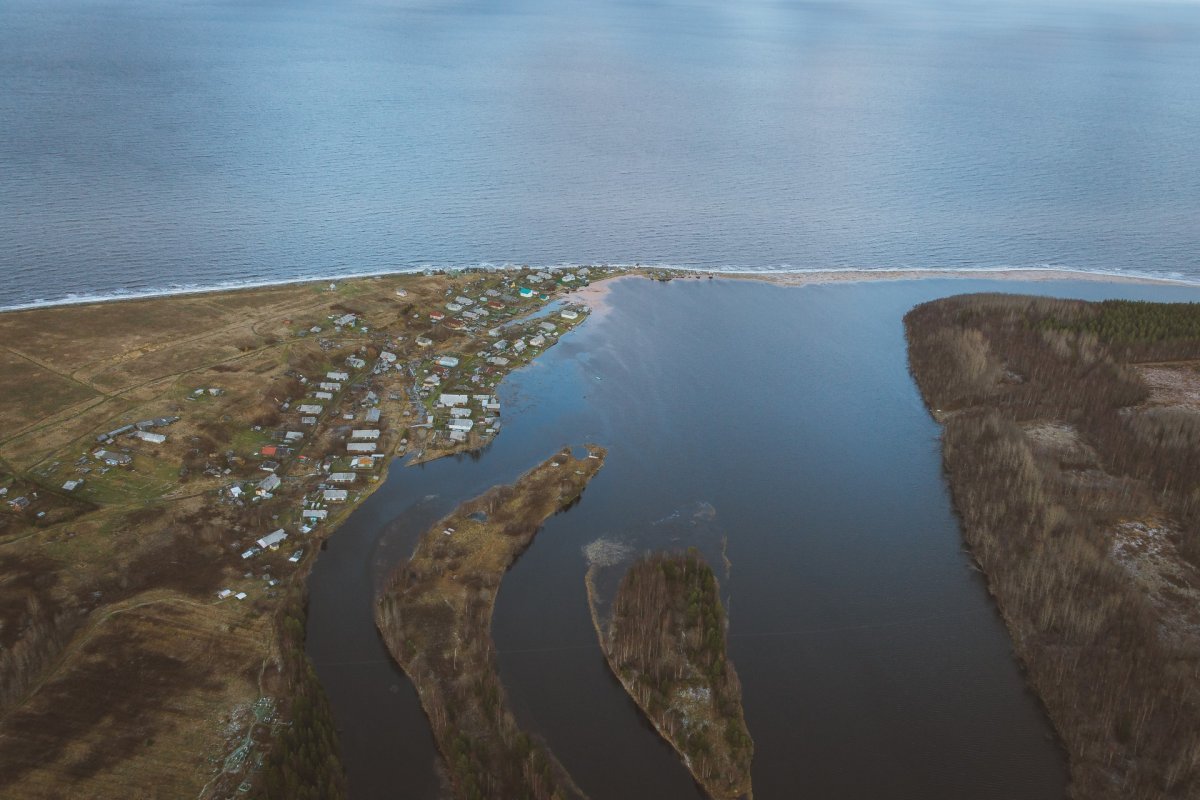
[(263, 461), (411, 398)]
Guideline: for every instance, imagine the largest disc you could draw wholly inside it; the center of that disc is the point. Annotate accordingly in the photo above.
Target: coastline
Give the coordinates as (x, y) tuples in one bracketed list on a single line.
[(783, 277)]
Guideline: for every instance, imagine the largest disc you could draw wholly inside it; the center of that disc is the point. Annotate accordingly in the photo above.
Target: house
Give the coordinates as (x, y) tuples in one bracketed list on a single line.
[(462, 300), (356, 362), (373, 415), (499, 361), (364, 434), (293, 436), (361, 447), (253, 551), (568, 278), (19, 503), (308, 420), (471, 315), (388, 357), (269, 466), (268, 485), (454, 308), (436, 316), (335, 495), (310, 409), (322, 396), (314, 513), (455, 324), (235, 491), (459, 424), (71, 486), (548, 327), (525, 291), (337, 376), (269, 450), (147, 436), (329, 386), (446, 361), (113, 459), (344, 320), (568, 314), (537, 341), (272, 539), (362, 462), (519, 346), (342, 477), (495, 305), (500, 346), (224, 594), (296, 556), (460, 412), (423, 341), (451, 400)]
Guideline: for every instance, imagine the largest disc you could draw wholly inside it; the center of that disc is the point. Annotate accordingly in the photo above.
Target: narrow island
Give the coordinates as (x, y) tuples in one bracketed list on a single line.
[(666, 645), (1070, 439), (435, 616)]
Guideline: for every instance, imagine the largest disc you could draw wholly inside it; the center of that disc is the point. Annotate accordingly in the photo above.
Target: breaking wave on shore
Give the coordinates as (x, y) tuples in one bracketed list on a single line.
[(840, 273)]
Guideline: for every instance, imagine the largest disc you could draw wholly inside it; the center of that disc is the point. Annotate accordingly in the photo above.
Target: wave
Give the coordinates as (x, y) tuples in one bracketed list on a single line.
[(1067, 272)]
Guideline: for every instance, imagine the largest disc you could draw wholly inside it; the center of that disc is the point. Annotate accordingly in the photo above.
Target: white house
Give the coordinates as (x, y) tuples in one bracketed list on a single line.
[(272, 539), (361, 447), (364, 434), (337, 376), (314, 513), (342, 477), (451, 400), (329, 386), (322, 396), (310, 409), (147, 436), (569, 314), (459, 424), (335, 495), (446, 361)]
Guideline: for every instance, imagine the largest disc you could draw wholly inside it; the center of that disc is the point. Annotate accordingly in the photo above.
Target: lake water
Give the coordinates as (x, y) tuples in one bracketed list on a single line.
[(873, 663), (155, 144)]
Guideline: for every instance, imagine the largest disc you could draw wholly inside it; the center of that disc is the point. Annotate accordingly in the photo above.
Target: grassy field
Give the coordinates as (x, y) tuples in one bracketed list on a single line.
[(436, 614), (122, 673), (1072, 445)]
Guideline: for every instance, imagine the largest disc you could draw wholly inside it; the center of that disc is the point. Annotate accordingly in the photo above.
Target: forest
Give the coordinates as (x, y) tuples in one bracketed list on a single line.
[(1077, 484), (667, 646)]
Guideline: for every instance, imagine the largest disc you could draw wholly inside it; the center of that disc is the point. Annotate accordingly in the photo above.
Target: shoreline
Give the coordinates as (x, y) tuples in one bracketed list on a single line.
[(783, 277)]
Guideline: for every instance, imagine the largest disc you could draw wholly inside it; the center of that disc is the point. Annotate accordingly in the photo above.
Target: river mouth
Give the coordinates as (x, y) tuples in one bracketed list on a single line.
[(775, 427)]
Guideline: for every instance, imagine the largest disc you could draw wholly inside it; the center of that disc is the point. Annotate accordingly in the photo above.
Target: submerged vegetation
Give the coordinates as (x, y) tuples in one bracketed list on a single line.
[(1072, 443), (666, 644), (435, 616)]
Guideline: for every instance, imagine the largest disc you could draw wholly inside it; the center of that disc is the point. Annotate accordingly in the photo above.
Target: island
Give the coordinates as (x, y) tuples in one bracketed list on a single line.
[(1070, 439), (666, 644), (435, 616)]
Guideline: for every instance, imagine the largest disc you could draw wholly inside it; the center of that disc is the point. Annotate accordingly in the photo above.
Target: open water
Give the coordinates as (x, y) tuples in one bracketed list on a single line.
[(155, 145)]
